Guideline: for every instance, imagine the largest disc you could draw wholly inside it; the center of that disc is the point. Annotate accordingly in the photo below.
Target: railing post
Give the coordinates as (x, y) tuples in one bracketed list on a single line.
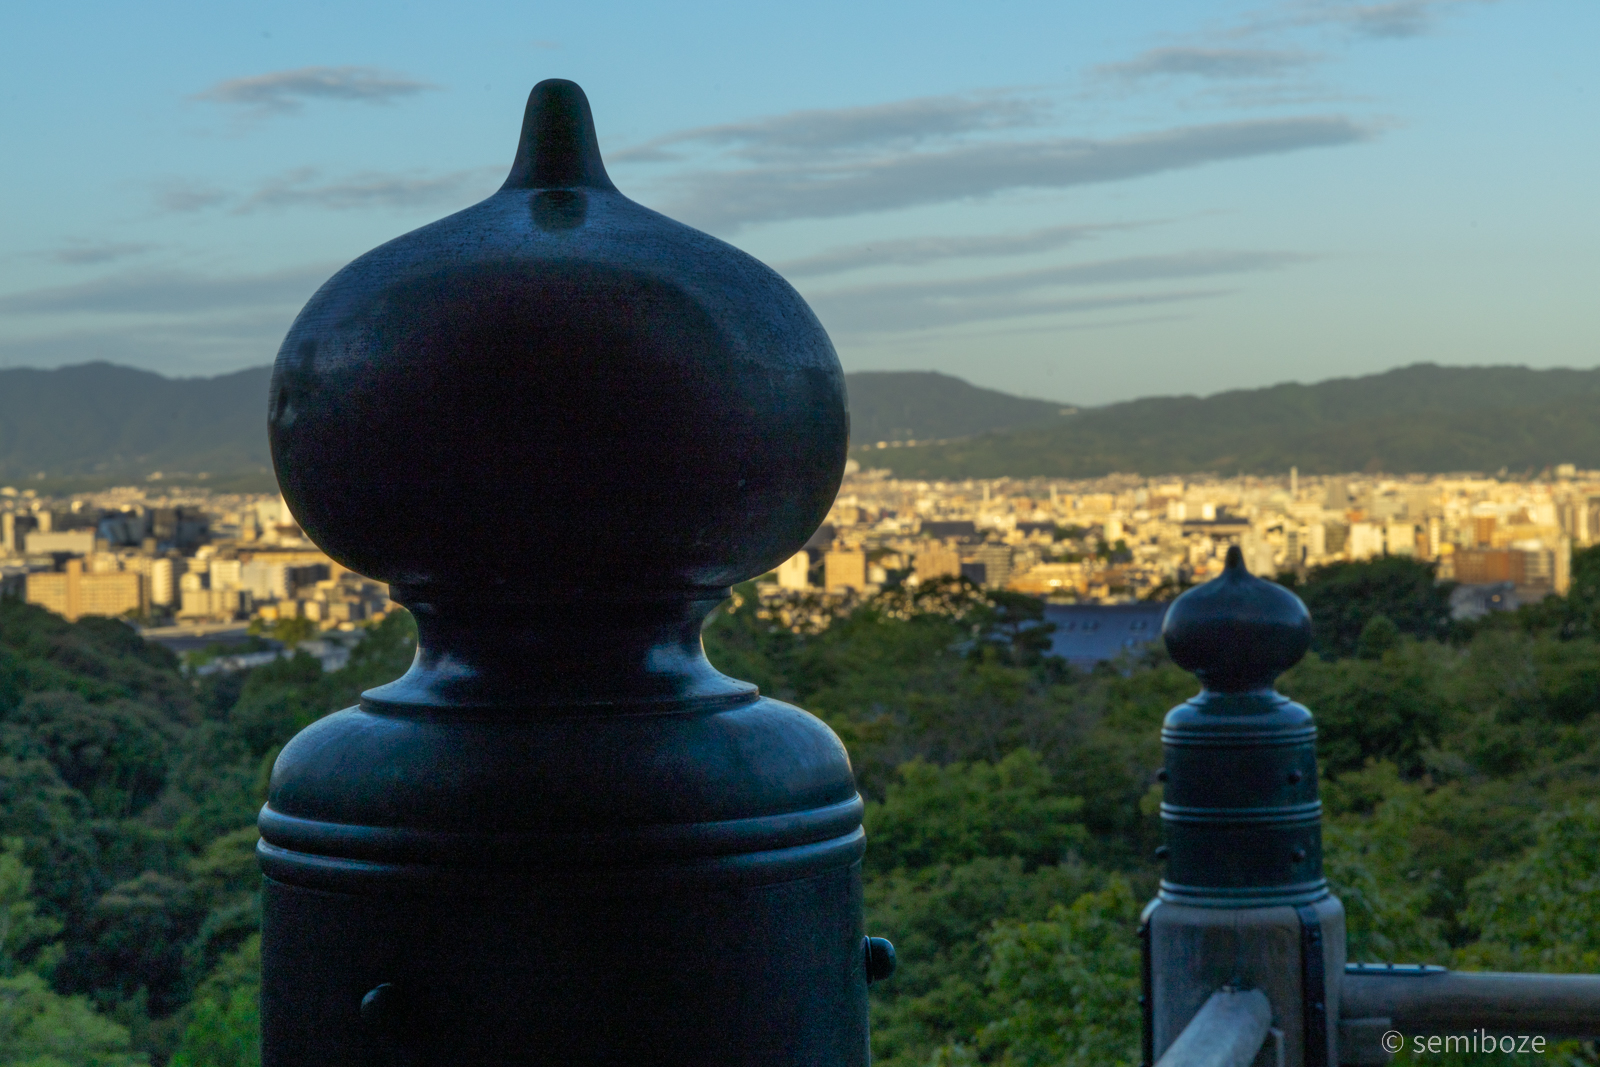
[(561, 426), (1243, 902)]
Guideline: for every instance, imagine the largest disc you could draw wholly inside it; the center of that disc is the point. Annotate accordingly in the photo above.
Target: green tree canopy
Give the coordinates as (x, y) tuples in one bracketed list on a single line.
[(958, 813), (1344, 597)]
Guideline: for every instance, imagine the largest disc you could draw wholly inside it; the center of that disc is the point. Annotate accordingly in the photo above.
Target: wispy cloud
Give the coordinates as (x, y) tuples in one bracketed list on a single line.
[(305, 187), (1403, 18), (1391, 19), (947, 302), (1217, 63), (1161, 267), (87, 253), (169, 293), (846, 319), (171, 321), (727, 199), (182, 196), (309, 187), (919, 250), (288, 90), (875, 126)]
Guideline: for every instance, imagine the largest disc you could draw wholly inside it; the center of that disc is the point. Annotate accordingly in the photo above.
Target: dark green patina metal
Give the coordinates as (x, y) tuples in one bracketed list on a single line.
[(560, 426), (1240, 813)]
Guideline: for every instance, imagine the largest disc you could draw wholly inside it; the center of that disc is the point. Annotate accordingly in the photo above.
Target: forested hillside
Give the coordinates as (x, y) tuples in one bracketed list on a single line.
[(128, 796), (103, 422), (1418, 419), (924, 405), (96, 423), (1011, 809)]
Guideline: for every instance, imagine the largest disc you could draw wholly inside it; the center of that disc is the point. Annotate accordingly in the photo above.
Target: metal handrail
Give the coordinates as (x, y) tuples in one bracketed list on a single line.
[(1228, 1031), (1434, 1000)]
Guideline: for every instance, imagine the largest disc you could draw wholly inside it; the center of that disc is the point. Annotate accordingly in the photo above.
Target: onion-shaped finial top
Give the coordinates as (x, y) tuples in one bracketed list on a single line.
[(1237, 632), (558, 394)]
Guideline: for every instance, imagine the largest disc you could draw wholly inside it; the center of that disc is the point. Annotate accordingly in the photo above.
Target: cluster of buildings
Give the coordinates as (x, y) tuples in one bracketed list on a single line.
[(169, 556), (165, 556), (1125, 538)]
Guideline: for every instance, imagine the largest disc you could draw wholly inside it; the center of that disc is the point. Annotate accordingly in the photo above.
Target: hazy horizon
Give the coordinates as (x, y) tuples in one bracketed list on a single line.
[(1080, 203), (1068, 401)]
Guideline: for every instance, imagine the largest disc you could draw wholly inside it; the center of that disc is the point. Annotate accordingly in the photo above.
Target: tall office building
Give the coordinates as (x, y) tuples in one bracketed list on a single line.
[(1366, 541), (163, 582), (1400, 539), (845, 569), (937, 561), (44, 542), (996, 561), (225, 573), (266, 580), (794, 572), (73, 594)]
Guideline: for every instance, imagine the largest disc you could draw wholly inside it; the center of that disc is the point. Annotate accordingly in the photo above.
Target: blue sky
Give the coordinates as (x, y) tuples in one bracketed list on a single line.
[(1081, 201)]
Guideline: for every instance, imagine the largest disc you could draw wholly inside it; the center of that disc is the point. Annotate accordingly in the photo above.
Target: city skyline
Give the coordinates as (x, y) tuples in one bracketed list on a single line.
[(165, 555), (1074, 202)]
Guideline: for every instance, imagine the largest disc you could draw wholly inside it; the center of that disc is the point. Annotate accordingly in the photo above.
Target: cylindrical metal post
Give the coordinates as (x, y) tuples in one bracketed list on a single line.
[(561, 426), (1244, 902)]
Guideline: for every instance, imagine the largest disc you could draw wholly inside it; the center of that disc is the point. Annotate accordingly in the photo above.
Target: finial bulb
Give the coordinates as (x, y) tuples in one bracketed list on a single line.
[(636, 410), (1237, 632)]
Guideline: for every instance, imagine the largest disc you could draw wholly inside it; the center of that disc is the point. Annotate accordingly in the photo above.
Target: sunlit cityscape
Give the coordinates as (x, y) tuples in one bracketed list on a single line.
[(1125, 537), (190, 558)]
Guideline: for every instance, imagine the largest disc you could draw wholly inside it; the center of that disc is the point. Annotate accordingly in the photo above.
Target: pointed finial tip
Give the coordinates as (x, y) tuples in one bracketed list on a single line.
[(558, 148)]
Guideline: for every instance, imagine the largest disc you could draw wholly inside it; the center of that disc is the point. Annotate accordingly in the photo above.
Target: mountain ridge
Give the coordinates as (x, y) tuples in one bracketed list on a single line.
[(102, 423), (104, 420), (923, 405), (1422, 418)]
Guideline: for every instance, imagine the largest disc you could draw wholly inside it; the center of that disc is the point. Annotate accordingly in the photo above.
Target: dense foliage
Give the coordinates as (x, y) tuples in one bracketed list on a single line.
[(1347, 599), (128, 797), (1011, 809)]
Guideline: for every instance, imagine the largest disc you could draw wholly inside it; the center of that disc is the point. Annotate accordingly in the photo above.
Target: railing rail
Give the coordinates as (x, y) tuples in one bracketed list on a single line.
[(1228, 1031), (1437, 1001)]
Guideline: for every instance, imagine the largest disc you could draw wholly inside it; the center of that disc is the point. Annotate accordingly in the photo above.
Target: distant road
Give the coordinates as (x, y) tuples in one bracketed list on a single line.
[(196, 635), (193, 629)]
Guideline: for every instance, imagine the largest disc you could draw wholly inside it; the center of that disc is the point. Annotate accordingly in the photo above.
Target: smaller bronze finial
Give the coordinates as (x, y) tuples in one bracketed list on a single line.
[(1237, 632)]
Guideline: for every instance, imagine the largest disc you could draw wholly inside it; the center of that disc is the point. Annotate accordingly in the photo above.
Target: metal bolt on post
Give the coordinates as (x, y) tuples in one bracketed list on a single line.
[(1243, 903), (561, 426)]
